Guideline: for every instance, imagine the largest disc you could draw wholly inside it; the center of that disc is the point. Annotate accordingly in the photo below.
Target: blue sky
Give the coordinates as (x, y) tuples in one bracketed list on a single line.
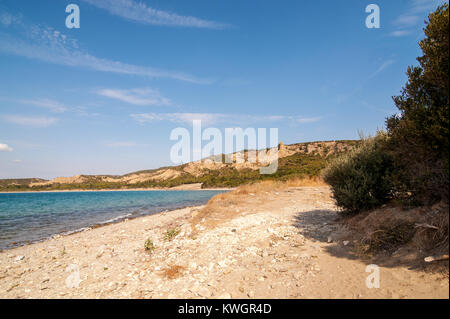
[(103, 99)]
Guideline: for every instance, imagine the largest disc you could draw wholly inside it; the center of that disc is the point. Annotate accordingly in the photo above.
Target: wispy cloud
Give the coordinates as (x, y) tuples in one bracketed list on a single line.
[(406, 21), (307, 119), (7, 19), (400, 33), (121, 144), (33, 121), (178, 117), (144, 97), (343, 97), (52, 105), (52, 46), (217, 118), (410, 21), (383, 66), (141, 13), (5, 148)]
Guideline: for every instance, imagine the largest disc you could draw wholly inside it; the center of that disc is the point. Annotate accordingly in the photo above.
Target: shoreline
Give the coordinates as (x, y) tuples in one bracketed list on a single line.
[(119, 190), (114, 221), (117, 219)]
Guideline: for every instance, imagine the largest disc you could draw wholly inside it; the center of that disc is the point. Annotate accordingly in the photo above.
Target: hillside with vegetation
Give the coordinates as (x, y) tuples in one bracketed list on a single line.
[(295, 161)]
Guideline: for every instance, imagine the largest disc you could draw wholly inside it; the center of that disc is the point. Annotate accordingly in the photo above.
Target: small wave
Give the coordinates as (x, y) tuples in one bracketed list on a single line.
[(112, 220), (70, 232)]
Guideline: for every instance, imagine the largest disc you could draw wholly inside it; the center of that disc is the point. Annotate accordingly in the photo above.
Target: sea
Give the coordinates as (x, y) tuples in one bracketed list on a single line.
[(30, 217)]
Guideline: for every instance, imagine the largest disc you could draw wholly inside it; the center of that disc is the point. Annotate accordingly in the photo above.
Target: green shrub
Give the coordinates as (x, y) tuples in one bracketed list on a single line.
[(360, 178), (171, 234), (148, 245)]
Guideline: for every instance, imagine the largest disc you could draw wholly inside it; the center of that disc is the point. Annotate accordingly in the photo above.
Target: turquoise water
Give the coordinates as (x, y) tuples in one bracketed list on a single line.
[(29, 217)]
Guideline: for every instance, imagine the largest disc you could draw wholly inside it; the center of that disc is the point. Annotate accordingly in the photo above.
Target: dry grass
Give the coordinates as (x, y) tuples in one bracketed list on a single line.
[(174, 271), (390, 228), (270, 185), (434, 239), (307, 181), (388, 238)]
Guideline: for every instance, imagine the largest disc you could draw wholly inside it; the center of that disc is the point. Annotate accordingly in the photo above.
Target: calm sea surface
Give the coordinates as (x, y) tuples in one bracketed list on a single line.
[(29, 217)]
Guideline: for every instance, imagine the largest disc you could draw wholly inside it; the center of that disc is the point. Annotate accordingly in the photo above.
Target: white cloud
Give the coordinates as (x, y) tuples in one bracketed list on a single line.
[(49, 45), (5, 148), (140, 12), (121, 144), (414, 16), (307, 119), (214, 118), (144, 97), (178, 117), (406, 20), (52, 105), (419, 6), (41, 121)]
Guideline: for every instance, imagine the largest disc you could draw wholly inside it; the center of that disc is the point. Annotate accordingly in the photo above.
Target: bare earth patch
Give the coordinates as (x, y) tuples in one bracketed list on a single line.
[(274, 243)]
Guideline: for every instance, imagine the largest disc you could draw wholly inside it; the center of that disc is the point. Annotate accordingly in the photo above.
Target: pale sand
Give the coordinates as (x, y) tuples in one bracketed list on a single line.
[(275, 247)]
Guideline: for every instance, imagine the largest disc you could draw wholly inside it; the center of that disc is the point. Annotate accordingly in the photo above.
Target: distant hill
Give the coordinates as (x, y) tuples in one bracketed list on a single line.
[(20, 181), (295, 160)]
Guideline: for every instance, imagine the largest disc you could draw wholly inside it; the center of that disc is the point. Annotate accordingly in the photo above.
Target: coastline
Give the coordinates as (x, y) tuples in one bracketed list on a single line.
[(113, 221), (120, 190)]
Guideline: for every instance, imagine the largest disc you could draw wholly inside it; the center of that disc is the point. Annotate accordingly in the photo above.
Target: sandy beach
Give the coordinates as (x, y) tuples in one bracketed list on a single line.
[(273, 244)]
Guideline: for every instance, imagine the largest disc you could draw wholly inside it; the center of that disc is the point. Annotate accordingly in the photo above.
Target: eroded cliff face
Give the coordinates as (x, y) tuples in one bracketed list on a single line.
[(240, 161)]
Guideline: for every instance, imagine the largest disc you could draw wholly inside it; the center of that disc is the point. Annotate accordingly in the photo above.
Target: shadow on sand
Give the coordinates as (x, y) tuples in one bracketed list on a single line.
[(323, 225)]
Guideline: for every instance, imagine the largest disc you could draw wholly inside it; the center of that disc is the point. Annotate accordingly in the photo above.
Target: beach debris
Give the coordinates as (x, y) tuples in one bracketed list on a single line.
[(225, 295), (19, 258), (304, 256), (297, 275), (329, 239), (430, 259), (424, 225), (113, 286), (204, 292), (345, 242), (12, 287)]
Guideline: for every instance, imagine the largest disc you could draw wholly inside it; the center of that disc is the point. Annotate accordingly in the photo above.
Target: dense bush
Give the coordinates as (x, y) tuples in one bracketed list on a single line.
[(419, 133), (360, 179)]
